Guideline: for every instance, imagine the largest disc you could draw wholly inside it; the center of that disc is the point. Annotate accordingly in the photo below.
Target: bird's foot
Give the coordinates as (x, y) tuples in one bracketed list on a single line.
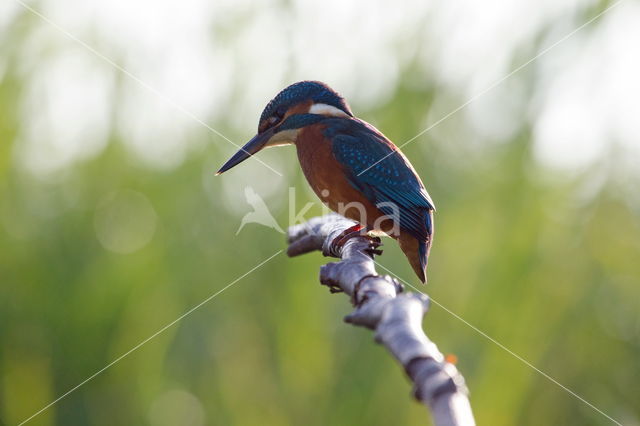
[(374, 243), (356, 230)]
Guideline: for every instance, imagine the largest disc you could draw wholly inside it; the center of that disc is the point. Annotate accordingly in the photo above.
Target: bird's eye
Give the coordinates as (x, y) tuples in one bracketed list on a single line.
[(277, 116), (273, 119)]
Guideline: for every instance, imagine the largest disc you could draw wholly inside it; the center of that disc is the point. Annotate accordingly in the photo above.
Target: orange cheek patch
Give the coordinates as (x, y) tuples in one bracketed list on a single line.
[(301, 108)]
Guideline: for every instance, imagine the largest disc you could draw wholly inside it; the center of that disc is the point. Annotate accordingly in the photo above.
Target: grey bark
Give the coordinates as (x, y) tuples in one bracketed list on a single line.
[(381, 305)]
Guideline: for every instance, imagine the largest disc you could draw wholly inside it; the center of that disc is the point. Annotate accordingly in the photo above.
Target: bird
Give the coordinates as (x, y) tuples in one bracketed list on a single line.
[(351, 166)]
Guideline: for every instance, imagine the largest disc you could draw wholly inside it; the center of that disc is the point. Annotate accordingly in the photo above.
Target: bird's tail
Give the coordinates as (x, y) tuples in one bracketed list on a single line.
[(417, 251), (425, 246)]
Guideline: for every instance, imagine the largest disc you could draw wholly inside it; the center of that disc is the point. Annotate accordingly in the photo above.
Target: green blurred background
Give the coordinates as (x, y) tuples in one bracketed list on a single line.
[(112, 224)]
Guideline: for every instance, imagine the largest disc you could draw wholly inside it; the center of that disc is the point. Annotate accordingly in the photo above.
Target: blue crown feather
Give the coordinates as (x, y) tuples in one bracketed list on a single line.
[(301, 91)]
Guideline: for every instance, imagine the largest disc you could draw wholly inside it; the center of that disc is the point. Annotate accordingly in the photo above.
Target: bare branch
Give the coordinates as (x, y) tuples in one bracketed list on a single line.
[(381, 305)]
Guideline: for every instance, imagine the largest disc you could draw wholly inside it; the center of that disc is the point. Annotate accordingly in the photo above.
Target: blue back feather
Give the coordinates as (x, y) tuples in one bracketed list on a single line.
[(357, 146)]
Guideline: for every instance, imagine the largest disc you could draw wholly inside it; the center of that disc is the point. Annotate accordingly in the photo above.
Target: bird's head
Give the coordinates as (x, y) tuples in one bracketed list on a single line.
[(297, 106)]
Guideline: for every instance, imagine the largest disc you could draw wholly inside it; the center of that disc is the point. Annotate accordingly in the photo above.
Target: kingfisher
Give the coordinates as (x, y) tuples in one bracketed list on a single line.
[(351, 166)]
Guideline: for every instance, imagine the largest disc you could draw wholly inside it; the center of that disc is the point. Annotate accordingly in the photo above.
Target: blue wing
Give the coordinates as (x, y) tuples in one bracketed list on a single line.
[(359, 147)]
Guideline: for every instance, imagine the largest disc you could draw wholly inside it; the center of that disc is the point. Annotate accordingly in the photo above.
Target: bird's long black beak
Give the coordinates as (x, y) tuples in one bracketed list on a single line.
[(254, 145)]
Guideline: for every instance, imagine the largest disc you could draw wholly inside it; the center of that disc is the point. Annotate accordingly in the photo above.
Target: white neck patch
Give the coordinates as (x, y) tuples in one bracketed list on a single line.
[(324, 109)]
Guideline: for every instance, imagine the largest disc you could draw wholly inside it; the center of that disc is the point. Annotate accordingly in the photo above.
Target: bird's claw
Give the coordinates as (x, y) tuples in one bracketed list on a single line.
[(358, 230), (374, 243), (354, 231)]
